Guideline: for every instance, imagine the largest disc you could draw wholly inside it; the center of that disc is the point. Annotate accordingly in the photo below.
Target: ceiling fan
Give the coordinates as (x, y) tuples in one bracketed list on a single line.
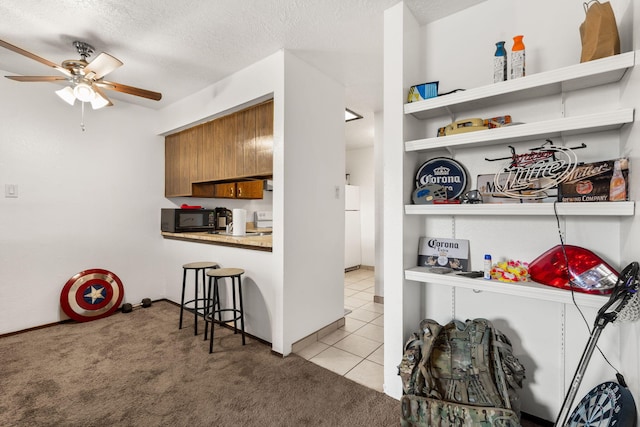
[(85, 78)]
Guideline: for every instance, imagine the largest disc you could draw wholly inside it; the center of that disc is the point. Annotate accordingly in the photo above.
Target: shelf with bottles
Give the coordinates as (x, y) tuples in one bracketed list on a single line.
[(574, 77), (626, 208), (522, 289)]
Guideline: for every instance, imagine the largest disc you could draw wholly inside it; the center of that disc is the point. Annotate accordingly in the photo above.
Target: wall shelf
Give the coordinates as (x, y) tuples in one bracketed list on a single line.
[(589, 123), (527, 209), (574, 77), (521, 289)]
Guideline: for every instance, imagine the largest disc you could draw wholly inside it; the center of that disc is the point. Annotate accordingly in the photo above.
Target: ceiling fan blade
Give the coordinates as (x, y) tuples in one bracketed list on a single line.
[(35, 57), (118, 87), (101, 66), (36, 78)]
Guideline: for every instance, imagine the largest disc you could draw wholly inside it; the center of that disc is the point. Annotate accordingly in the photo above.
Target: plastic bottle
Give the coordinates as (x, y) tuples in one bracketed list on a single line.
[(617, 186), (500, 63), (487, 267), (517, 58)]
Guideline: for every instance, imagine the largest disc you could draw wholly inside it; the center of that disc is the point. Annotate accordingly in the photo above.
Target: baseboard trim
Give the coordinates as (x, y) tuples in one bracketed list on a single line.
[(48, 325), (316, 336), (539, 421)]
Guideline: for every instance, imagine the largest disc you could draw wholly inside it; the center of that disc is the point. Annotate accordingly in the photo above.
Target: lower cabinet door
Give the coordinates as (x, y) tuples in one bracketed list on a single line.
[(239, 190), (249, 189), (225, 191)]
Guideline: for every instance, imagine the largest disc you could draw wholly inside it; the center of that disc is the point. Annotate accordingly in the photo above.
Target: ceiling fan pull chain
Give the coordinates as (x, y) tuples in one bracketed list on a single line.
[(82, 120)]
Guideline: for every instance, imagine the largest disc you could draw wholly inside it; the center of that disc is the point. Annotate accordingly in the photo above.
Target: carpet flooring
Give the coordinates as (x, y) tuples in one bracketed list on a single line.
[(138, 369)]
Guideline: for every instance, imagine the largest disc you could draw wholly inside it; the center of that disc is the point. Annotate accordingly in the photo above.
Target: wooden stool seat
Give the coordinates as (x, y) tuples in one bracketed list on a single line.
[(225, 272), (200, 264)]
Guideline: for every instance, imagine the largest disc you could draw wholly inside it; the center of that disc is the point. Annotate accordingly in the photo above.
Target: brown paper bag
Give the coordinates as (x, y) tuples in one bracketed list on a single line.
[(599, 32)]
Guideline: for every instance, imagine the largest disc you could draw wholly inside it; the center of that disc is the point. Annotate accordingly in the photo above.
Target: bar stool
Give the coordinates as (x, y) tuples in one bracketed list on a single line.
[(235, 274), (197, 267)]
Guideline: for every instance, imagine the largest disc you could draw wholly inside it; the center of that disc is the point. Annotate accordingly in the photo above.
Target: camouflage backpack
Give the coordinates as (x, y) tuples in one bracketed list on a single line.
[(460, 374)]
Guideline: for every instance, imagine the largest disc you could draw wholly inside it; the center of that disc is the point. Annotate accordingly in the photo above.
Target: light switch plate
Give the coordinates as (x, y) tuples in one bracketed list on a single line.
[(10, 190)]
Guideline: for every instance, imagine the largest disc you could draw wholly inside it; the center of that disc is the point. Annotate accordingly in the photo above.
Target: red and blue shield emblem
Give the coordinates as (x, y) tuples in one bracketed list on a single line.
[(91, 294)]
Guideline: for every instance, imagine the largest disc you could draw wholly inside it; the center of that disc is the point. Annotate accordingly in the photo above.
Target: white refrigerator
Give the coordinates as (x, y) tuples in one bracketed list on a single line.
[(352, 249)]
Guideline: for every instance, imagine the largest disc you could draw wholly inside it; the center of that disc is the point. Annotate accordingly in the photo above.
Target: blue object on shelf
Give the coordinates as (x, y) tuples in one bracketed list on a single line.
[(423, 91)]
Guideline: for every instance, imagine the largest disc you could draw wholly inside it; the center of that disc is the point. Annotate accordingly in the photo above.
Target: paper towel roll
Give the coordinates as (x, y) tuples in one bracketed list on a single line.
[(239, 222)]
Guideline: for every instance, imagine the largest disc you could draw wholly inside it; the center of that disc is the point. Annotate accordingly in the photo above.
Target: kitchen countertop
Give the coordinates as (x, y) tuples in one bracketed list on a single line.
[(255, 242)]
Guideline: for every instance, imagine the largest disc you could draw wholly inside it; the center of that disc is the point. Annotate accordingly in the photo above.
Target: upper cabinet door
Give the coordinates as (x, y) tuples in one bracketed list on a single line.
[(264, 139), (171, 165), (207, 159), (181, 166), (246, 142), (225, 147)]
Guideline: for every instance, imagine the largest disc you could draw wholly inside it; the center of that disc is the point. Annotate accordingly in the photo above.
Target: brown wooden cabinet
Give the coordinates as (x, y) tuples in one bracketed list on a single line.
[(239, 190), (245, 152), (225, 190), (181, 151), (249, 189), (207, 157), (264, 139), (236, 146)]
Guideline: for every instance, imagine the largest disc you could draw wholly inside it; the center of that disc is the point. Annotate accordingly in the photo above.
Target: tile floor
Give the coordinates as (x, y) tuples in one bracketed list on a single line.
[(355, 350)]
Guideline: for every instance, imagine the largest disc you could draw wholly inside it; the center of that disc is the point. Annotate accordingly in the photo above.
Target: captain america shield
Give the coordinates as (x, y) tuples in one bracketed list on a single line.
[(91, 294)]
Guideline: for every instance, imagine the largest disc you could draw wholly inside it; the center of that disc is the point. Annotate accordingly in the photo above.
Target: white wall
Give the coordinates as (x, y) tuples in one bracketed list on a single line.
[(313, 153), (360, 167), (400, 45), (296, 289), (86, 200), (552, 45)]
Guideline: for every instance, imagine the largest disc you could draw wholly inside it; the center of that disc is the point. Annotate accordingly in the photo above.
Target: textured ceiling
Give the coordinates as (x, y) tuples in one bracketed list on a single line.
[(180, 47)]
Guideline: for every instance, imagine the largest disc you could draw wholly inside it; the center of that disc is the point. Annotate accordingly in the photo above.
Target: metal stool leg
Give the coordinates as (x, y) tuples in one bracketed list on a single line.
[(205, 301), (216, 295), (241, 307), (184, 282), (216, 300), (213, 300), (233, 292), (195, 302), (209, 310)]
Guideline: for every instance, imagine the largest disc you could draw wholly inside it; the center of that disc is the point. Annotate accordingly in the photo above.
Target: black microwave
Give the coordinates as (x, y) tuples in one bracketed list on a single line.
[(181, 220)]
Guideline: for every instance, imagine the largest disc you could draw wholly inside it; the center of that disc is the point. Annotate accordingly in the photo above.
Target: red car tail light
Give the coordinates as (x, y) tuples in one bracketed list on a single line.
[(588, 272)]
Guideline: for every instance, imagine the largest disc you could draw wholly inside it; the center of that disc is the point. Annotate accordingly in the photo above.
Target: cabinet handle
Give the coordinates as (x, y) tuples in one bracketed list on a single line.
[(231, 191), (239, 191)]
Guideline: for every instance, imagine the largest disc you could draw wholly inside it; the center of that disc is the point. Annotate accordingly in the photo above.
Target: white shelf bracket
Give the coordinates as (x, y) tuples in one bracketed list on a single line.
[(563, 104), (452, 116)]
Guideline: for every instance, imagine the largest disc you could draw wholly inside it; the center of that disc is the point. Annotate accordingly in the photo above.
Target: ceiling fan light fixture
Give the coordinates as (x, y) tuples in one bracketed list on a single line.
[(99, 101), (66, 94), (84, 92)]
